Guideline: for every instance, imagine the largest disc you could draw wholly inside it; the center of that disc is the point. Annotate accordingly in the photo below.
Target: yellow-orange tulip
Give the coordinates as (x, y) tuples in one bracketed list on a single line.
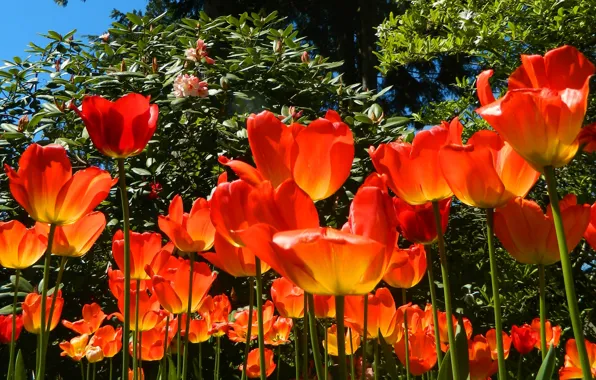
[(21, 247), (279, 333), (93, 316), (331, 341), (288, 298), (407, 267), (237, 261), (75, 240), (382, 314), (75, 348), (572, 367), (108, 339), (32, 312)]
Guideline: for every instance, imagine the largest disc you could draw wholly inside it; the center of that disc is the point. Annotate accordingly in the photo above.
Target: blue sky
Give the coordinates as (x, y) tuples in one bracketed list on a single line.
[(23, 20)]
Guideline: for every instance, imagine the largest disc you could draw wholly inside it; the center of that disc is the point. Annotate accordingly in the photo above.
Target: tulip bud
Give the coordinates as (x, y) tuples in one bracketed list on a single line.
[(154, 65), (305, 57), (224, 83), (94, 354), (123, 65), (23, 121)]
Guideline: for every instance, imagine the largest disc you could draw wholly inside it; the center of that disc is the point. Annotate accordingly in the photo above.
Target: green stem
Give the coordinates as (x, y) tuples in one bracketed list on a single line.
[(494, 275), (433, 298), (83, 371), (542, 284), (278, 360), (187, 327), (352, 365), (135, 336), (326, 353), (111, 368), (447, 290), (44, 293), (305, 341), (341, 337), (178, 348), (297, 350), (364, 336), (200, 359), (14, 325), (519, 367), (251, 300), (164, 359), (88, 371), (376, 358), (551, 182), (314, 339), (126, 229), (259, 280), (217, 348), (94, 370), (406, 335), (140, 362), (56, 290)]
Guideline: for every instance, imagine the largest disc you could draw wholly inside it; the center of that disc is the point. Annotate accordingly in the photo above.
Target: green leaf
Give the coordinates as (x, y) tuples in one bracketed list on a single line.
[(389, 364), (23, 284), (135, 19), (141, 171), (20, 373), (461, 349), (363, 119), (171, 369), (548, 366), (6, 310), (445, 370)]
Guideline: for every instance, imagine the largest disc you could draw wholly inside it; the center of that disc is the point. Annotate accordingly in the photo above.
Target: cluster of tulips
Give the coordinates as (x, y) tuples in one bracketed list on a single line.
[(266, 219)]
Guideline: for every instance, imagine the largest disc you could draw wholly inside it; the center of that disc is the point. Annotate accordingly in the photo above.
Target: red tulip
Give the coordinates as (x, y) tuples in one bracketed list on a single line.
[(587, 138), (122, 128), (219, 309), (407, 267), (6, 328), (524, 338), (21, 247), (324, 306), (590, 232), (417, 223), (279, 333), (288, 298), (572, 367), (93, 317), (422, 353)]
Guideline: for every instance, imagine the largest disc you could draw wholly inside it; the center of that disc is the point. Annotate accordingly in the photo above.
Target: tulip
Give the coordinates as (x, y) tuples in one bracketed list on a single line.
[(144, 248), (122, 128), (140, 374), (218, 314), (75, 240), (587, 138), (171, 285), (75, 349), (151, 347), (279, 333), (407, 267), (93, 354), (6, 328), (381, 314), (239, 327), (32, 312), (590, 232), (108, 339), (442, 316), (422, 355), (46, 188), (198, 329), (324, 306), (21, 247), (524, 338), (553, 333), (491, 338), (529, 235), (482, 365), (149, 311), (331, 341), (413, 170), (253, 368), (93, 316), (417, 223), (287, 298), (190, 232), (116, 283), (237, 261), (541, 115), (572, 367), (486, 172)]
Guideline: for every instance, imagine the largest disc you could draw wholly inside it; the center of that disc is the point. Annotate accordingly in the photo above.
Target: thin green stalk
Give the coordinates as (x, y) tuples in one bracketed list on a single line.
[(164, 360), (135, 336), (578, 332), (178, 348), (364, 336), (88, 371), (187, 327), (352, 365), (376, 358), (126, 229), (326, 353), (341, 337), (217, 348), (94, 370), (297, 350), (447, 290), (494, 275), (111, 368), (305, 341), (259, 280), (83, 371), (542, 285), (44, 293), (13, 342), (63, 261), (406, 335), (433, 298), (278, 360), (314, 339), (200, 360), (140, 362), (519, 367), (251, 300)]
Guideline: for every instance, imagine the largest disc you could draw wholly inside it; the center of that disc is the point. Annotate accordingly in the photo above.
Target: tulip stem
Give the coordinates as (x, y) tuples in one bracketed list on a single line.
[(447, 290), (352, 365), (278, 360), (305, 340), (178, 347), (433, 298), (88, 371), (490, 238), (217, 348), (364, 336), (341, 337), (44, 292), (519, 367), (326, 353), (164, 359), (542, 284), (314, 338), (259, 280), (200, 357), (126, 229), (251, 300), (13, 334), (111, 368), (551, 182), (83, 370), (135, 337), (56, 290), (187, 327), (376, 358), (297, 350), (94, 370), (406, 334)]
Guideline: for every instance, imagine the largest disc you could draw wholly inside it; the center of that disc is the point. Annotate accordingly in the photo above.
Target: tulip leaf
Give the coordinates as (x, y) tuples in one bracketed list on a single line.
[(461, 349), (389, 364), (548, 366), (445, 369), (20, 373), (171, 369), (51, 291), (23, 284), (6, 310)]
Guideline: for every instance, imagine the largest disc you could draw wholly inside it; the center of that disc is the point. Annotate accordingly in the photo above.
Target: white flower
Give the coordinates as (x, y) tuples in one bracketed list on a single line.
[(189, 85)]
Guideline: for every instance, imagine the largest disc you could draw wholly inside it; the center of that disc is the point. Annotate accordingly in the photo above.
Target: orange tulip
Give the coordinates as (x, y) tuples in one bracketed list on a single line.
[(122, 128), (199, 329), (590, 232), (587, 138), (94, 354), (407, 267), (486, 172), (75, 348), (151, 346), (116, 283), (75, 240), (524, 338), (413, 171), (381, 313), (443, 333), (288, 298), (279, 333), (237, 261), (21, 247), (421, 349), (324, 306), (32, 312), (219, 310), (140, 374), (149, 311), (482, 365), (331, 341), (572, 367), (491, 338), (529, 235), (192, 232), (171, 284), (553, 333), (417, 223), (229, 213), (415, 318), (93, 316), (542, 113), (143, 250), (108, 339), (253, 369), (46, 188), (321, 261), (239, 327)]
